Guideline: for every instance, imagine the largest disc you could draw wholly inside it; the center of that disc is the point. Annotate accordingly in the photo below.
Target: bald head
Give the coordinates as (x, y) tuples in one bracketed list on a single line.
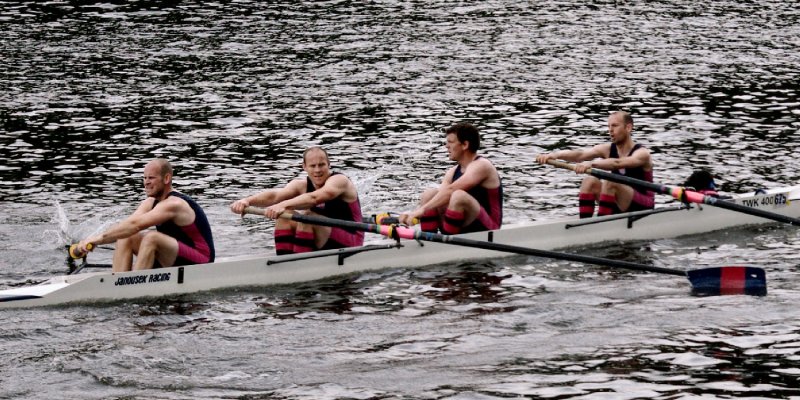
[(315, 149), (161, 165), (626, 117)]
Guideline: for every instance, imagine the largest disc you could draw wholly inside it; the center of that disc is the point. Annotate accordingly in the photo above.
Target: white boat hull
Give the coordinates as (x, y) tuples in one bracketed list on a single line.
[(272, 270)]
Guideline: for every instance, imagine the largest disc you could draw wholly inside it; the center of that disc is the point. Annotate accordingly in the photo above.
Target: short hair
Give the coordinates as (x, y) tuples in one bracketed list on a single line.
[(466, 132), (626, 116), (316, 148), (163, 166)]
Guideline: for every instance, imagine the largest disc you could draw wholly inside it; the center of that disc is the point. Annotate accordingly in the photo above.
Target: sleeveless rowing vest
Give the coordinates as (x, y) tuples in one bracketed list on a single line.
[(193, 234), (490, 199), (636, 173), (336, 208)]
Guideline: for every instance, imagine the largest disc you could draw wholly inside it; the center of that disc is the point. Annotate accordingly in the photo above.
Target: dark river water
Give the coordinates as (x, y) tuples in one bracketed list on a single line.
[(232, 92)]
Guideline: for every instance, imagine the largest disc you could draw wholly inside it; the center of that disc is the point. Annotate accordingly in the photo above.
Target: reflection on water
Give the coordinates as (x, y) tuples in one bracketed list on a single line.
[(329, 297), (232, 92), (711, 363), (468, 283)]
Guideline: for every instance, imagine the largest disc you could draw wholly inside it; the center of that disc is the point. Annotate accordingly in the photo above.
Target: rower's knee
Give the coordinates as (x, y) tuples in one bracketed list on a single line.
[(459, 197), (129, 244), (614, 188), (427, 195), (461, 200), (283, 224), (591, 184), (149, 243)]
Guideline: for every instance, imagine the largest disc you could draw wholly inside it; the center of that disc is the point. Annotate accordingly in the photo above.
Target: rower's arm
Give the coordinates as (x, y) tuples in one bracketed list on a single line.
[(138, 221), (577, 155), (270, 196), (334, 187), (639, 158), (442, 196)]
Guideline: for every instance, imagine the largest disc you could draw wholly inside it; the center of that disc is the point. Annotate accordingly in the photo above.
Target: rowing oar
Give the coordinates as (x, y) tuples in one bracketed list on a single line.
[(75, 254), (680, 193), (706, 281)]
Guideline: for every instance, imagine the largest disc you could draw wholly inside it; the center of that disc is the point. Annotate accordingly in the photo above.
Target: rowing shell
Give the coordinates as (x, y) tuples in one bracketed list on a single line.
[(248, 271)]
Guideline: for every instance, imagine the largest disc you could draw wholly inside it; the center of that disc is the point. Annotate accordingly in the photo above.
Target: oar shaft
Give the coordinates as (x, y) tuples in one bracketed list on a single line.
[(408, 233), (680, 193)]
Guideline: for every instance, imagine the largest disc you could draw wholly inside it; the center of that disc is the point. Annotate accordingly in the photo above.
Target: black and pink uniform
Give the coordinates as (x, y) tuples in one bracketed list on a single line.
[(491, 201), (642, 199), (195, 242), (339, 209)]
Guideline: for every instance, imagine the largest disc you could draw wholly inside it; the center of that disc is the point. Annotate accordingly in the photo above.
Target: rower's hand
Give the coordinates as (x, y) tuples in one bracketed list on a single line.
[(543, 158), (581, 168), (274, 211), (409, 219), (238, 206), (82, 248)]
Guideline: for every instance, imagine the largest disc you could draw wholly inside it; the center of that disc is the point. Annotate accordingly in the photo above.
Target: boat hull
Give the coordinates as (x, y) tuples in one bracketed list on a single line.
[(274, 270)]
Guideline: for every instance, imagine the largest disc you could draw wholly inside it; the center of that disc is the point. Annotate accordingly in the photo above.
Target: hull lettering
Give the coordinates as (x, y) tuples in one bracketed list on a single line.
[(138, 279)]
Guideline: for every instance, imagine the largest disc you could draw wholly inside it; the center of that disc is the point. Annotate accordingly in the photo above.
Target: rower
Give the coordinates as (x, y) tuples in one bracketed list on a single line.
[(182, 235), (621, 156), (470, 197), (322, 192)]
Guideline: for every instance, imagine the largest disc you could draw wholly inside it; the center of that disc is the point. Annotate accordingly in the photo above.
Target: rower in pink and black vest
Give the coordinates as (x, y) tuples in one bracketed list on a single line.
[(182, 235), (338, 209), (195, 242), (470, 197), (323, 192), (636, 163), (642, 199)]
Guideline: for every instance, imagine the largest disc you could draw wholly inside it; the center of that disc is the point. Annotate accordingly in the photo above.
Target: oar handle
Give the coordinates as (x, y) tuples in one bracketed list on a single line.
[(75, 253), (380, 219), (387, 219), (565, 165), (260, 211)]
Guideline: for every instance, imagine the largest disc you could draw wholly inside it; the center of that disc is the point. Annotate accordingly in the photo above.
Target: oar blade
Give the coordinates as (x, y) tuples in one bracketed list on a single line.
[(728, 280)]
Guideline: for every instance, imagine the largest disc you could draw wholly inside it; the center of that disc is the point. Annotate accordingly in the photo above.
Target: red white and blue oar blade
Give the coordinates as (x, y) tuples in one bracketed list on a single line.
[(728, 280)]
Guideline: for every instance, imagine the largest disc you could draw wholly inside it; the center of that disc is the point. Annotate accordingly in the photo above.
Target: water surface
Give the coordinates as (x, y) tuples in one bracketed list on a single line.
[(232, 93)]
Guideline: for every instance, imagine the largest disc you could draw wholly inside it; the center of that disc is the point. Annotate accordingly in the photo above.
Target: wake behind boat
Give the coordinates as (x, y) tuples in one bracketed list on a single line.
[(249, 271)]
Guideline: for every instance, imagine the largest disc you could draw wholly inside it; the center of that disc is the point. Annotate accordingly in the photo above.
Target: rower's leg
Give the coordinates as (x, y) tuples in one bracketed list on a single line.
[(461, 211), (586, 203), (321, 235), (124, 249), (431, 220), (587, 196), (304, 238), (284, 236), (617, 196), (156, 246), (607, 205), (624, 196), (453, 221)]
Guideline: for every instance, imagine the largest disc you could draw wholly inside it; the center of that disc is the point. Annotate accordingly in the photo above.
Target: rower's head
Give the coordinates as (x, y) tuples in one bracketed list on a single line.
[(317, 165), (157, 178), (460, 138), (620, 126)]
